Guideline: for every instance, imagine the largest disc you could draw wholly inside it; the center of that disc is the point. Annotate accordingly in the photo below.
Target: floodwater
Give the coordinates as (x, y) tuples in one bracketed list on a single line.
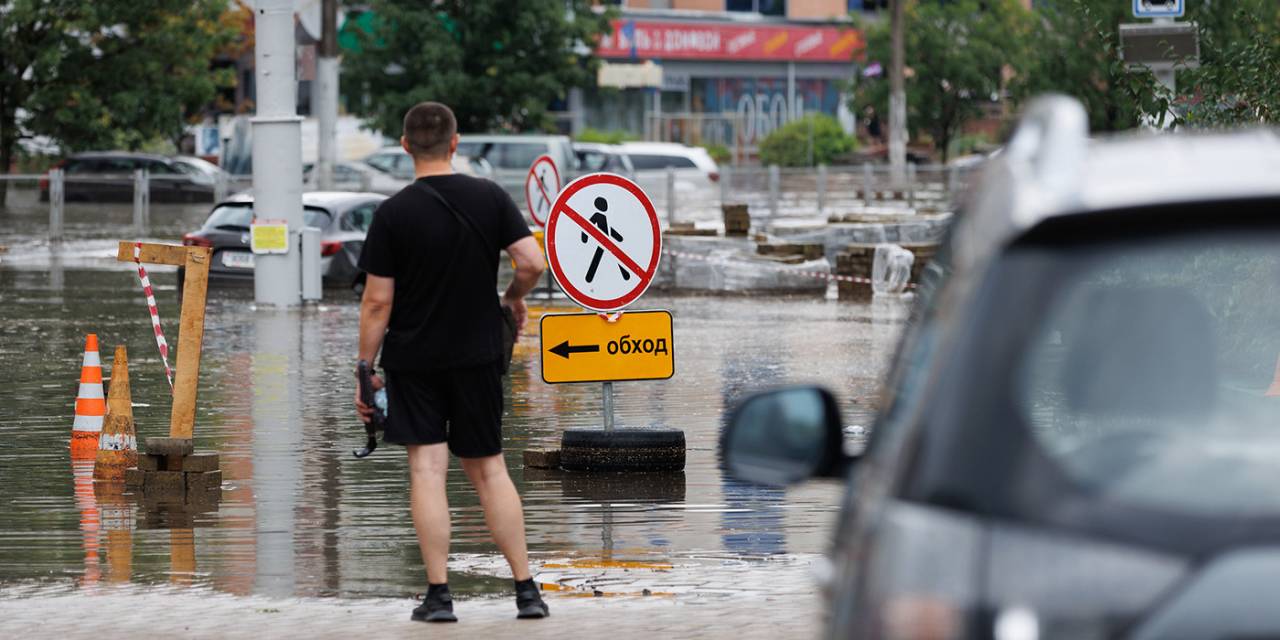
[(300, 517)]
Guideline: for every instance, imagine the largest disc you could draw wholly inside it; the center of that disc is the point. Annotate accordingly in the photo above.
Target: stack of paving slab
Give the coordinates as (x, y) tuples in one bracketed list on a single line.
[(732, 265), (171, 469)]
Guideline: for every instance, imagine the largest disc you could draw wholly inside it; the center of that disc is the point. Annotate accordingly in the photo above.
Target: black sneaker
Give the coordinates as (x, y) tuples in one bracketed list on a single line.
[(529, 602), (437, 606)]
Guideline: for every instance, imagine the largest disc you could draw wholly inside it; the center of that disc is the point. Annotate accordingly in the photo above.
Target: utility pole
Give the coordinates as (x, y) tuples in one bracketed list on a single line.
[(277, 152), (897, 98), (326, 103)]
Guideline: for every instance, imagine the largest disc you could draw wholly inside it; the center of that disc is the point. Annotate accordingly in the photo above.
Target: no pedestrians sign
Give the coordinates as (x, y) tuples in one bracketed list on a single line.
[(603, 242), (540, 188)]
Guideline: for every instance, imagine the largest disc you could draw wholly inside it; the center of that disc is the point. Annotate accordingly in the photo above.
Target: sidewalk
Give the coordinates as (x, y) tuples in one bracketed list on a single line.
[(687, 597), (205, 614)]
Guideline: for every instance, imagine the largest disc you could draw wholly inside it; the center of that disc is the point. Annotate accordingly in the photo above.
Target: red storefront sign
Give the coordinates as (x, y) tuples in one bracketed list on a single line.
[(710, 41)]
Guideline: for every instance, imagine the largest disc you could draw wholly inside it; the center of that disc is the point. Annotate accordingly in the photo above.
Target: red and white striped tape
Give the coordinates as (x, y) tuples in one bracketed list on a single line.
[(155, 313), (821, 275)]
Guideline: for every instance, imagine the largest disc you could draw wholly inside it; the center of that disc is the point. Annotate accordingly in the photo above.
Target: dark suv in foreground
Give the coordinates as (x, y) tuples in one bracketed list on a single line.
[(1080, 436)]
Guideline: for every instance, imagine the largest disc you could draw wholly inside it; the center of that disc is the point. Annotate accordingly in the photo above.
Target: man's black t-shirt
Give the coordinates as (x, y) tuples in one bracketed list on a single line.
[(445, 313)]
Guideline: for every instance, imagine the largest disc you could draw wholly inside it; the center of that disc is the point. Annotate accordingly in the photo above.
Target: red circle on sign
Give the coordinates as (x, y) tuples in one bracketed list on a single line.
[(557, 210), (544, 158)]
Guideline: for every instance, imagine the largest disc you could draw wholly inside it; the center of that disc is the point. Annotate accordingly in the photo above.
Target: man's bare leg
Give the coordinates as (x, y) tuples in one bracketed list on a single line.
[(429, 504), (503, 513)]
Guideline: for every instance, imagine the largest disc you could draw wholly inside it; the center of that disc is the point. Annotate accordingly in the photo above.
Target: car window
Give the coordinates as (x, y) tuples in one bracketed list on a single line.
[(358, 219), (115, 165), (230, 216), (237, 216), (469, 149), (403, 167), (382, 161), (190, 169), (1152, 376), (518, 155), (81, 165), (642, 161), (593, 160), (160, 167)]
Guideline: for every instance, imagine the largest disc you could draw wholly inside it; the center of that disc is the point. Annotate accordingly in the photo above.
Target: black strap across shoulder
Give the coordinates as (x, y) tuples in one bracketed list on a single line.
[(462, 218)]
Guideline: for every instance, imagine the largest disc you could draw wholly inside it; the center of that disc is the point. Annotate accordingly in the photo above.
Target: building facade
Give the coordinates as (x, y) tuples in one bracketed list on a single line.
[(724, 72)]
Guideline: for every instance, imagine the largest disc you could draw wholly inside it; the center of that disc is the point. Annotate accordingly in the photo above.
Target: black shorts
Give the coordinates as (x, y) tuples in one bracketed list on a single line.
[(460, 406)]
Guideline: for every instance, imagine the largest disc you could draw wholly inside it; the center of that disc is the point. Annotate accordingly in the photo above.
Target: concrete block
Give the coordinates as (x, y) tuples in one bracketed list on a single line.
[(199, 482), (200, 462), (542, 458), (134, 477), (169, 446), (148, 462), (164, 482)]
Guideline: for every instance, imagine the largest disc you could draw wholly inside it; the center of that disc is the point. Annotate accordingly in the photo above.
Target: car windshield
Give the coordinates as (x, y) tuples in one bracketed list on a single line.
[(1152, 378), (238, 217)]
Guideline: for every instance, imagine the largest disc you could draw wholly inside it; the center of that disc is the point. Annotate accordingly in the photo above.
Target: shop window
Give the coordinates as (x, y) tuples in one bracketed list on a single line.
[(765, 7), (869, 5)]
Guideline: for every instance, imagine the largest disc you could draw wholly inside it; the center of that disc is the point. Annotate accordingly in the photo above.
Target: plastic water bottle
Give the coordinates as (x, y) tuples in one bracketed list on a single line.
[(380, 400)]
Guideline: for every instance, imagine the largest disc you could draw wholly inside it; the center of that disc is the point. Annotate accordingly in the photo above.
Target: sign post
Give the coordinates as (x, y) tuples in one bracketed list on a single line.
[(603, 246)]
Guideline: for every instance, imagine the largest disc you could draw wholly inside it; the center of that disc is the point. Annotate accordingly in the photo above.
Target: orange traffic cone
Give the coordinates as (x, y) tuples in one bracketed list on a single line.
[(90, 519), (118, 446), (1275, 383), (91, 406)]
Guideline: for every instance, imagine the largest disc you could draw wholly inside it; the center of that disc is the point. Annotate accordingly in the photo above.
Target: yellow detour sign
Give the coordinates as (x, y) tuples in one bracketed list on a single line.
[(585, 347)]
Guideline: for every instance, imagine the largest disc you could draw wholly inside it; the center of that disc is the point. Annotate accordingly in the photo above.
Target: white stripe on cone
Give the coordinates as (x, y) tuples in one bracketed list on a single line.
[(90, 390), (91, 359), (87, 423)]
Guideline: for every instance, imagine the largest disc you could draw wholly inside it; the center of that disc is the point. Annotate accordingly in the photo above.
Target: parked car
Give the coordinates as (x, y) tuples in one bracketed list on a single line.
[(512, 155), (594, 157), (108, 176), (697, 175), (393, 161), (342, 217), (1078, 436), (357, 176)]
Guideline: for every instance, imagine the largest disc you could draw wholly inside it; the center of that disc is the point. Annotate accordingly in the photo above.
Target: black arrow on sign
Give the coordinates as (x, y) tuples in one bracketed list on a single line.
[(564, 350)]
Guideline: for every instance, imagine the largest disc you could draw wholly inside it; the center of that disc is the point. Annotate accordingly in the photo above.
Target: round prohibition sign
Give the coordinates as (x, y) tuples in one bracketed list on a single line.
[(540, 188), (603, 242)]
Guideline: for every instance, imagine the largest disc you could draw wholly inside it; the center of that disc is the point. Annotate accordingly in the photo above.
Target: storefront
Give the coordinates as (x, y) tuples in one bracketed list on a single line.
[(721, 82)]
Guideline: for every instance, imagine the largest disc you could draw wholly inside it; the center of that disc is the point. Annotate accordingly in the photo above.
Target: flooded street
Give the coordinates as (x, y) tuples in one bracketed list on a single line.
[(301, 518)]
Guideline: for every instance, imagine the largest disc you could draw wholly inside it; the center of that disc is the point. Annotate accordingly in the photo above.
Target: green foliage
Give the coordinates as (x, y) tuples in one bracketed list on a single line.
[(718, 152), (106, 74), (969, 143), (603, 137), (1238, 80), (497, 64), (805, 142), (958, 54), (1077, 53)]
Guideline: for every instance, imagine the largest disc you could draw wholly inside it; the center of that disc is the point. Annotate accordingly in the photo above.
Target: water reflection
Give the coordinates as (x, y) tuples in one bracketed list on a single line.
[(300, 517)]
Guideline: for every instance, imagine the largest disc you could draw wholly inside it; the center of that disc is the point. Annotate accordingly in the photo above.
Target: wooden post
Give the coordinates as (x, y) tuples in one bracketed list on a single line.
[(195, 261)]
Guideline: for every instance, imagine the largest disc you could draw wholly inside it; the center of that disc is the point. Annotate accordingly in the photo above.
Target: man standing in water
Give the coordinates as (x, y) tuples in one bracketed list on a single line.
[(430, 303)]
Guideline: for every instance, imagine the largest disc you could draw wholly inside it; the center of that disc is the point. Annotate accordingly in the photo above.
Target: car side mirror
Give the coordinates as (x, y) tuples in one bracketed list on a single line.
[(785, 436)]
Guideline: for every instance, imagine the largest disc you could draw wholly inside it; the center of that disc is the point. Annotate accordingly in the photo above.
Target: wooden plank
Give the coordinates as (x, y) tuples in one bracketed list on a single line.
[(153, 253), (190, 339)]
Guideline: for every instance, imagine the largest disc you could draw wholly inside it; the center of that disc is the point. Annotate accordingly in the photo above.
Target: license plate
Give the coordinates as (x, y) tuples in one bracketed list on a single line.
[(237, 259)]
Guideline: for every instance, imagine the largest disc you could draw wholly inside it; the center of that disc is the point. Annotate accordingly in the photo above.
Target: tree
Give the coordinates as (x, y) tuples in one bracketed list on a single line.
[(1238, 79), (497, 64), (1077, 52), (812, 140), (958, 55), (105, 74)]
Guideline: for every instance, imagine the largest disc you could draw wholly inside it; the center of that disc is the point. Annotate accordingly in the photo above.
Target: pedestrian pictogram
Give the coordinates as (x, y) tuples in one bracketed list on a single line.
[(540, 188), (603, 242), (585, 347)]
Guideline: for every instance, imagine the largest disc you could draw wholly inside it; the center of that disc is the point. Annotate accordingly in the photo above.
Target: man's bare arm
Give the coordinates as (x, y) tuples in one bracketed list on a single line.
[(529, 267), (375, 313)]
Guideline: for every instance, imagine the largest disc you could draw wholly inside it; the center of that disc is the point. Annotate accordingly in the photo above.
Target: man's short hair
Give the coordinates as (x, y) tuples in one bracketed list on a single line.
[(428, 128)]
